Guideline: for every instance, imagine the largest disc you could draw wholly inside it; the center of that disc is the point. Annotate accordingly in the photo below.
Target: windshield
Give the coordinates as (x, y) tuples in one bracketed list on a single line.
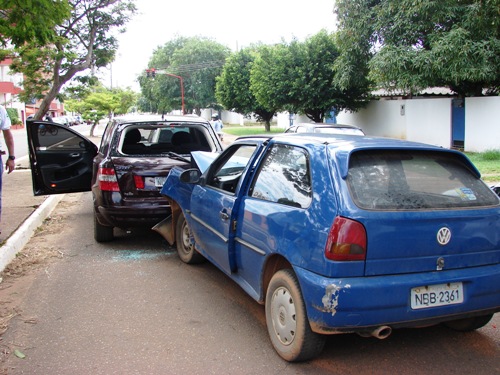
[(414, 179), (157, 140)]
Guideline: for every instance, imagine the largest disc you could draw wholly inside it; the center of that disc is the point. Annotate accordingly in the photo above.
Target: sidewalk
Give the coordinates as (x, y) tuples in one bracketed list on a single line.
[(22, 212)]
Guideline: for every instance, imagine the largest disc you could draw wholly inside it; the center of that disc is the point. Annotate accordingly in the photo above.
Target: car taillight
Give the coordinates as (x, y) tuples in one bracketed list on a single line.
[(346, 240), (139, 182), (107, 179)]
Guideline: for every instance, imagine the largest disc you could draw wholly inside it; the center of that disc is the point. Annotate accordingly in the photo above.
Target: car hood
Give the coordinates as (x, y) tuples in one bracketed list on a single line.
[(203, 159)]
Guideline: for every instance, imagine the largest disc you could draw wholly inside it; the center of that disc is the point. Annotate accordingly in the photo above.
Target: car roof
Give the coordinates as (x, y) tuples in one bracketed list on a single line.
[(325, 125), (342, 141), (348, 142), (158, 118), (344, 145)]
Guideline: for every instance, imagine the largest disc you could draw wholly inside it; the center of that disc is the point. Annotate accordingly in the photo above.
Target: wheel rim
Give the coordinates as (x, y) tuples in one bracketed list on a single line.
[(283, 315), (187, 245)]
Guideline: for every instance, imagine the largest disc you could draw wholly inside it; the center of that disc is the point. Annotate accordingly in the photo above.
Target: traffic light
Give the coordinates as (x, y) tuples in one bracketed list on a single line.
[(153, 73)]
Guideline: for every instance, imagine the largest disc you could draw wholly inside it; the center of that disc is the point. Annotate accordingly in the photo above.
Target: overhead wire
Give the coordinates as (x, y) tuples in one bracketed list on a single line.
[(190, 68)]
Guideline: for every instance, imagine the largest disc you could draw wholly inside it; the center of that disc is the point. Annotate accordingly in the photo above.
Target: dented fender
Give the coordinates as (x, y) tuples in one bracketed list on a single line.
[(166, 227), (331, 298)]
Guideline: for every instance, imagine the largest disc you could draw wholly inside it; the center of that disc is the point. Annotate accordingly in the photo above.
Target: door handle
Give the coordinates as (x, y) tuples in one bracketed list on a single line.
[(224, 216), (74, 155)]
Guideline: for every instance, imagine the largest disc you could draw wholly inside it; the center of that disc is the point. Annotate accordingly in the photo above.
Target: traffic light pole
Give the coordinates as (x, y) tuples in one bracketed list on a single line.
[(152, 73), (182, 89)]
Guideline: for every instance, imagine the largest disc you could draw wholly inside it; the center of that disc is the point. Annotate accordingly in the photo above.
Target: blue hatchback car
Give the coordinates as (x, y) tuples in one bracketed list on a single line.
[(340, 234)]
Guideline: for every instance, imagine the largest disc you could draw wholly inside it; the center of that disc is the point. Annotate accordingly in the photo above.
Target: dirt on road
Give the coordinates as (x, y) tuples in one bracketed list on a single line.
[(18, 276)]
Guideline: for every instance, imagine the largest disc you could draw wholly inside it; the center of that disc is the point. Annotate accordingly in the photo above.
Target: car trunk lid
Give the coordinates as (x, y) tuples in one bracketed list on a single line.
[(431, 241), (143, 177)]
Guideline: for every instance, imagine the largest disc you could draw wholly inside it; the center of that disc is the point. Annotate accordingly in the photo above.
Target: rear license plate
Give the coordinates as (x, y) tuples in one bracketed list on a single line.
[(159, 181), (427, 296)]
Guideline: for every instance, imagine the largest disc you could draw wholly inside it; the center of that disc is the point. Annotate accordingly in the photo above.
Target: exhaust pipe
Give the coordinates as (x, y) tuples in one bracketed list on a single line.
[(380, 333)]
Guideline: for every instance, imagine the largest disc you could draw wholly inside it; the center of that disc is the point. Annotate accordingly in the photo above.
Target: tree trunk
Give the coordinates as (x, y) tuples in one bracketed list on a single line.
[(92, 128), (267, 125), (49, 97)]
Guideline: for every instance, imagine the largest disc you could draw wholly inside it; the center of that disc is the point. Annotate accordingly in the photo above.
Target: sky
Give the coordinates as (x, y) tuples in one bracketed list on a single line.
[(235, 24)]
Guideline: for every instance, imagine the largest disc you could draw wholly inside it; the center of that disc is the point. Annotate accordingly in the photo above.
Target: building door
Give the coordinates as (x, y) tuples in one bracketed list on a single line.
[(458, 124)]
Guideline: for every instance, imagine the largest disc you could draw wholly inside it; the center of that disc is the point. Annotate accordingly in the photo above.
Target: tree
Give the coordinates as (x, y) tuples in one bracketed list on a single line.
[(101, 103), (31, 21), (411, 45), (198, 61), (83, 41), (299, 77), (233, 87)]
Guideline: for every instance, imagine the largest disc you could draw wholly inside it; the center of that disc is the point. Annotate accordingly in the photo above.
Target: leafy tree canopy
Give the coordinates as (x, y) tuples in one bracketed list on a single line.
[(23, 21), (300, 77), (84, 40), (100, 103), (411, 45), (233, 87), (198, 61)]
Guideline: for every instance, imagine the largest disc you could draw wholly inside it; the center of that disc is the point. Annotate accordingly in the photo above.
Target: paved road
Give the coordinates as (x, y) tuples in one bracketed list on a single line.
[(132, 307)]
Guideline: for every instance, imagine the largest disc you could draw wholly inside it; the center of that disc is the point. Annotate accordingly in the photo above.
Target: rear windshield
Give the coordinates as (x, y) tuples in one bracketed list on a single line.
[(157, 140), (409, 180)]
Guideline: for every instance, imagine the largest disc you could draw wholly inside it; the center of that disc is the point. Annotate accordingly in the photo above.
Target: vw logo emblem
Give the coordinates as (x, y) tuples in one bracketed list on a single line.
[(443, 236)]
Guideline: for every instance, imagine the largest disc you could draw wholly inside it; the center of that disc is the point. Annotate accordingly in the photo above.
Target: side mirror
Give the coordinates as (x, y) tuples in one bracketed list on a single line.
[(190, 176)]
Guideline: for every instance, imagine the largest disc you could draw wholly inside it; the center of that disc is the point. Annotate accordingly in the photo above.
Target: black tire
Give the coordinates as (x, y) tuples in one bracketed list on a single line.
[(102, 233), (469, 324), (185, 243), (287, 322)]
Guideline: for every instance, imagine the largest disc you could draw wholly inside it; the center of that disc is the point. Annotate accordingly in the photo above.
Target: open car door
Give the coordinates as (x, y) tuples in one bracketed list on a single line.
[(60, 158)]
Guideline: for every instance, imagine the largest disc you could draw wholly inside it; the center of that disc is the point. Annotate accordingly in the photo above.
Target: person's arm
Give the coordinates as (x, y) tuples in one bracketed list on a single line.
[(10, 164)]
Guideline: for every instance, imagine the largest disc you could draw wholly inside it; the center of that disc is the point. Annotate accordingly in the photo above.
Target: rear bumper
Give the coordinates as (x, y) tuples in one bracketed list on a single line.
[(128, 217), (358, 304)]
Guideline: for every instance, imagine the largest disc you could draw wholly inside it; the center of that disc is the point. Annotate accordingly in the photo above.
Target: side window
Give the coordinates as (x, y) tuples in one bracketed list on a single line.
[(55, 138), (227, 174), (284, 177), (106, 138)]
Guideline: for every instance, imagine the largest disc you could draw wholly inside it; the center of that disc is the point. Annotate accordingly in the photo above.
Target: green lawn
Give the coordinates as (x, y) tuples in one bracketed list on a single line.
[(488, 163), (238, 130)]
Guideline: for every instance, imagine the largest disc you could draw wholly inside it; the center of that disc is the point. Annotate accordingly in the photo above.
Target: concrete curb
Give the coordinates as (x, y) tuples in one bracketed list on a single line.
[(22, 235)]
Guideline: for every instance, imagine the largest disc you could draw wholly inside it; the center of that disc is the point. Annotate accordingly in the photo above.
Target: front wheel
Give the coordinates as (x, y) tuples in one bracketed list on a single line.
[(287, 322), (469, 324), (185, 244)]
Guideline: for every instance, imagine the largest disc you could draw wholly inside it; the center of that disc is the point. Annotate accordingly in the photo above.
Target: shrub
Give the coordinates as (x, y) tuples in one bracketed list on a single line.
[(14, 116)]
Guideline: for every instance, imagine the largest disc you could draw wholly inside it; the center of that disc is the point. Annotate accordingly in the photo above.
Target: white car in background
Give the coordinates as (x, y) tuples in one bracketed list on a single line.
[(63, 120)]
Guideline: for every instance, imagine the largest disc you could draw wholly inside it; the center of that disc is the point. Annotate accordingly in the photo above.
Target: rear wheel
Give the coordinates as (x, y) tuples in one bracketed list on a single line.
[(469, 324), (287, 321), (102, 233), (185, 244)]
